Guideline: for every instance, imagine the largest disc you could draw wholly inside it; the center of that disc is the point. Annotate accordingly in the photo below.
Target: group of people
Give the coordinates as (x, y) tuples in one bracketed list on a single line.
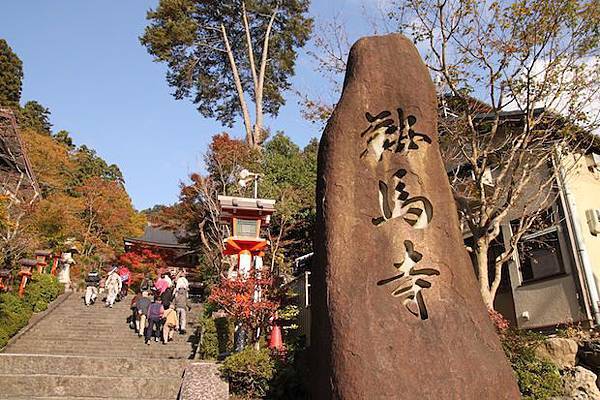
[(159, 308), (116, 284)]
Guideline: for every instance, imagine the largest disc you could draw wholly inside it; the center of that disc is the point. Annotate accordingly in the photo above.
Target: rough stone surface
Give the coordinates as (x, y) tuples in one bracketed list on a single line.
[(70, 352), (365, 342), (580, 384), (589, 354), (203, 381), (560, 351)]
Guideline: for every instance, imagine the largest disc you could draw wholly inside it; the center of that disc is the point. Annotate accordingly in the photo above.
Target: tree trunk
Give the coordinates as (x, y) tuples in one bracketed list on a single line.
[(258, 126), (238, 87), (481, 254)]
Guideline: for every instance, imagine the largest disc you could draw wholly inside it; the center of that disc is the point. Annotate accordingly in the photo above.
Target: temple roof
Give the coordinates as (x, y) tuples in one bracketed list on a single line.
[(156, 236), (245, 207)]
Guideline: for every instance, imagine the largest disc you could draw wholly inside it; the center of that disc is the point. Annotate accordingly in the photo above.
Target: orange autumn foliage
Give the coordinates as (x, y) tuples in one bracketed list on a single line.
[(141, 263), (238, 297), (108, 216)]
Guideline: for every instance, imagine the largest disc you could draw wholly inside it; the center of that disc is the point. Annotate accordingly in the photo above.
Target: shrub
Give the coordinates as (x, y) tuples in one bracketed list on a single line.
[(209, 346), (41, 290), (16, 312), (537, 378), (289, 379), (249, 372), (217, 337), (14, 315), (210, 308), (500, 323)]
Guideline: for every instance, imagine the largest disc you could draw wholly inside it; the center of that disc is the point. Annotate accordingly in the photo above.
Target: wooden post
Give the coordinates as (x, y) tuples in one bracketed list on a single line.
[(27, 266), (55, 259)]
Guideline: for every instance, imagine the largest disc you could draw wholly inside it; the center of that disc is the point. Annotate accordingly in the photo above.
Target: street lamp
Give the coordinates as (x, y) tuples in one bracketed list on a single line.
[(247, 177)]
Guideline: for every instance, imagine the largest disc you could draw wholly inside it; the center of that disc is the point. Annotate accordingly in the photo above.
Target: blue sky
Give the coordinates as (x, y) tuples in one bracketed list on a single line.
[(83, 60)]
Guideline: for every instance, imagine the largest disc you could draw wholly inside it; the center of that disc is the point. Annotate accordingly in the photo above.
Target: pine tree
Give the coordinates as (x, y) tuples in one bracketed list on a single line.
[(11, 76), (223, 53)]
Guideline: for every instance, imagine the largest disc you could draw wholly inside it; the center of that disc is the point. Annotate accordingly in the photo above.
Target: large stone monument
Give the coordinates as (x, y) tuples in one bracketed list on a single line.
[(396, 309)]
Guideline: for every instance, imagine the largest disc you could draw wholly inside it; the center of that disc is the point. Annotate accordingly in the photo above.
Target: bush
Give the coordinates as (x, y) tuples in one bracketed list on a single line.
[(16, 312), (41, 290), (537, 378), (209, 345), (249, 372), (14, 315), (289, 380), (217, 337)]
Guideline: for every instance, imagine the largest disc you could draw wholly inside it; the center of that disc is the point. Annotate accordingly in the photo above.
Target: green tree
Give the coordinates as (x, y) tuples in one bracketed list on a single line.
[(225, 158), (89, 164), (289, 176), (11, 76), (197, 211), (63, 137), (36, 117), (210, 49)]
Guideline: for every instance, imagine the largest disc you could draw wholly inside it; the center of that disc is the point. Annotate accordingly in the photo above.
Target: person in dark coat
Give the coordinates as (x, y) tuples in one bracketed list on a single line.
[(92, 281), (156, 312), (133, 323), (141, 306), (167, 297)]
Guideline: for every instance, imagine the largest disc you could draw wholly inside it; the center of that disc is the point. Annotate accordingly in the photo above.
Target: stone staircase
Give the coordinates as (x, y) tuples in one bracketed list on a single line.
[(79, 352)]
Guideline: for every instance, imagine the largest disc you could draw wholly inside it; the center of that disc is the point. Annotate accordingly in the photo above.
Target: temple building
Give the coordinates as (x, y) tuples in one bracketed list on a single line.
[(165, 243)]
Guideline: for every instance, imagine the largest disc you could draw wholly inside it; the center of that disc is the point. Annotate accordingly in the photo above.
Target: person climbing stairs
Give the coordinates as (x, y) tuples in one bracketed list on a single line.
[(81, 352)]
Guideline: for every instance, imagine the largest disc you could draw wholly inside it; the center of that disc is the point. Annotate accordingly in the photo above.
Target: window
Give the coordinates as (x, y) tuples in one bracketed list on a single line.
[(246, 227), (540, 257), (539, 250)]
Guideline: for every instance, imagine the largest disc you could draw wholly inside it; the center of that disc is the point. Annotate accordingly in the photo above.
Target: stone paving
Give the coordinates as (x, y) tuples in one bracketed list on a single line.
[(79, 352)]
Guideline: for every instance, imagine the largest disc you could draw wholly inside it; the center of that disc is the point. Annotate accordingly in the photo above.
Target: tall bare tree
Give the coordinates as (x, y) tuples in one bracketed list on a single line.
[(534, 65), (516, 80)]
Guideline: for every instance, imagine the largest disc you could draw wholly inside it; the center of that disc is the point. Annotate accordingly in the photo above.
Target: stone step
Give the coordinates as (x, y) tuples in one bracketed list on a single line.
[(85, 322), (73, 398), (99, 349), (117, 327), (152, 352), (91, 353), (28, 364), (92, 334), (89, 386), (74, 339), (131, 351), (81, 344), (90, 329), (99, 319), (87, 336)]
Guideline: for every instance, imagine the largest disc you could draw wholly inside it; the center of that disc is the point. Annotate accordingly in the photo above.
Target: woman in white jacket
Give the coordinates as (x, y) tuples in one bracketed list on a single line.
[(113, 287)]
